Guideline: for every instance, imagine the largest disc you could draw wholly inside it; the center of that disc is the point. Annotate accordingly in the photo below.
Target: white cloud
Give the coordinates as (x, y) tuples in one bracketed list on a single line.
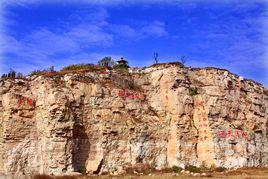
[(90, 34), (38, 45), (156, 28), (50, 42), (83, 30), (40, 48), (125, 31)]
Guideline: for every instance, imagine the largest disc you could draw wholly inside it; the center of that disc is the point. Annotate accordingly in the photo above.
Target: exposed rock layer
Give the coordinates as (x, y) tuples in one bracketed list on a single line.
[(106, 121)]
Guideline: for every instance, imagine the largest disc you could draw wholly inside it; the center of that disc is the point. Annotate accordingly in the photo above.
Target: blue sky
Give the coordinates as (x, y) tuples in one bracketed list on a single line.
[(229, 34)]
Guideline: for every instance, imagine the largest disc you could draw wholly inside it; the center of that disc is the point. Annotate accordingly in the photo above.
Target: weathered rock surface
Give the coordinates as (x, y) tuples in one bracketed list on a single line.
[(100, 122)]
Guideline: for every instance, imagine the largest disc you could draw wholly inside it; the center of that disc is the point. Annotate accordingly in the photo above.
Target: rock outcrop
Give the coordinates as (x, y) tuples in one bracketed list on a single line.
[(107, 121)]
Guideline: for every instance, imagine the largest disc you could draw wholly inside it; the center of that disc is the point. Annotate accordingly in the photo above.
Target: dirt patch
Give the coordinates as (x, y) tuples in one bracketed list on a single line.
[(243, 173)]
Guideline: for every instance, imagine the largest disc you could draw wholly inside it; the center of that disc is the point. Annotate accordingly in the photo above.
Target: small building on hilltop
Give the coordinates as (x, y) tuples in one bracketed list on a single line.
[(122, 62)]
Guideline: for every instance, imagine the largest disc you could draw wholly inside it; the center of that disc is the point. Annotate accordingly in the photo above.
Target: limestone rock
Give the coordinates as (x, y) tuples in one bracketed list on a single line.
[(107, 123)]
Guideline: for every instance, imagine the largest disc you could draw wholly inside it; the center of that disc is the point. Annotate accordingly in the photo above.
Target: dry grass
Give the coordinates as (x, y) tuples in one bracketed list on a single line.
[(179, 64), (146, 172), (249, 171), (53, 177), (83, 67), (79, 68)]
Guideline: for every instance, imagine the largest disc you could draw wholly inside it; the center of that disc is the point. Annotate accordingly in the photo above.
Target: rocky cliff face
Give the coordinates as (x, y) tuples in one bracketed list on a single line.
[(107, 121)]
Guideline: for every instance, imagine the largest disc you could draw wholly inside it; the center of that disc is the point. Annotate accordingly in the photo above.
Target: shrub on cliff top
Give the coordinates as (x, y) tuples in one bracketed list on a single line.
[(79, 67), (121, 67), (10, 74), (36, 72), (40, 72), (179, 64)]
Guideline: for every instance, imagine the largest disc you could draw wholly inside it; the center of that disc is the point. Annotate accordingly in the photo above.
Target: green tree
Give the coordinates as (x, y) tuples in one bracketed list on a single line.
[(19, 75), (51, 69), (11, 74), (106, 61)]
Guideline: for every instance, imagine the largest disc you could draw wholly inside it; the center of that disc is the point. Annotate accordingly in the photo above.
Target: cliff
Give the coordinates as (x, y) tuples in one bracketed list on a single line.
[(107, 121)]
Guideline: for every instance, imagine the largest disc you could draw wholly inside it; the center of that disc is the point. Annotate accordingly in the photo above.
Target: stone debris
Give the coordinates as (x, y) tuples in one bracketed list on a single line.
[(160, 116)]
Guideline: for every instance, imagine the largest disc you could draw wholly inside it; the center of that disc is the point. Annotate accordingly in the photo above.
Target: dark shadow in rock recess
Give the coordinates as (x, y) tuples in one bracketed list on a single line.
[(81, 147), (99, 168)]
